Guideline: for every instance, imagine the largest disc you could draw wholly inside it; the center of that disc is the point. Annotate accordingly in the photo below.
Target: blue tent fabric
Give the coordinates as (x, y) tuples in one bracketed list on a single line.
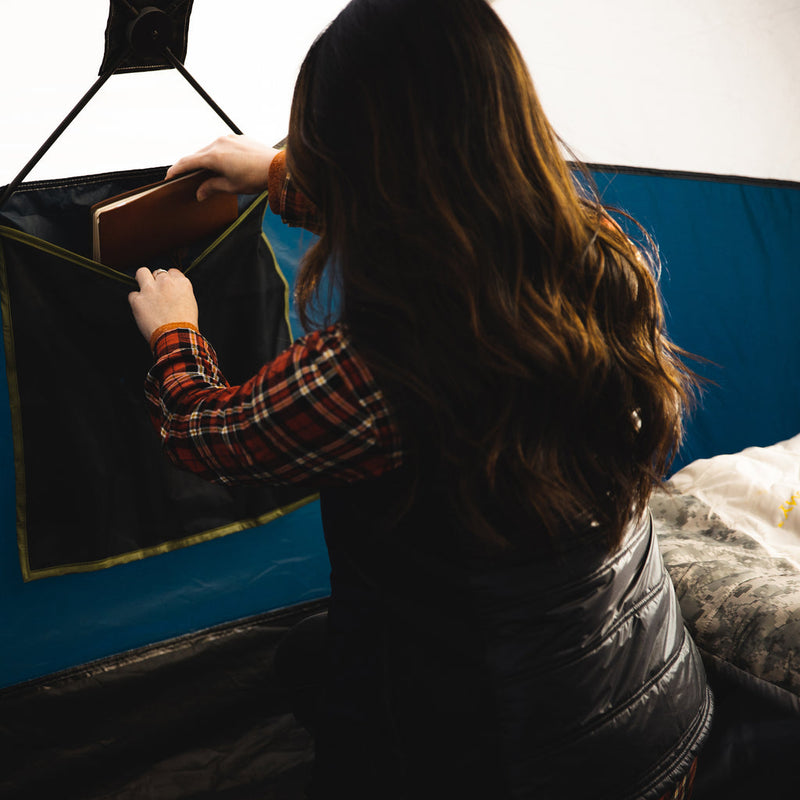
[(730, 249)]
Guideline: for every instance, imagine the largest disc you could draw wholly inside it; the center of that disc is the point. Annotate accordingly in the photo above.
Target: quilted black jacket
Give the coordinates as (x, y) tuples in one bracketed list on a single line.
[(569, 675)]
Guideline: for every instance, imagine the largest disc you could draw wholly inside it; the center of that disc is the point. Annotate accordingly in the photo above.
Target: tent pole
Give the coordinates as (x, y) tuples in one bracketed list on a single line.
[(198, 88)]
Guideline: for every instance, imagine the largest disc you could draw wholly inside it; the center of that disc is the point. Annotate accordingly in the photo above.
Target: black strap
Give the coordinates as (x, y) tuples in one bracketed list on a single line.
[(199, 89)]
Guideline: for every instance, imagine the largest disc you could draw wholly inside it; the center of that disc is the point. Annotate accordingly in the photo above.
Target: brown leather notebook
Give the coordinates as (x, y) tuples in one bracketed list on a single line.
[(157, 220)]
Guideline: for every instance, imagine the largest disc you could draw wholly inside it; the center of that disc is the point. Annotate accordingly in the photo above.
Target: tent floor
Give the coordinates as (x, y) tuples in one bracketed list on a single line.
[(204, 717), (197, 717)]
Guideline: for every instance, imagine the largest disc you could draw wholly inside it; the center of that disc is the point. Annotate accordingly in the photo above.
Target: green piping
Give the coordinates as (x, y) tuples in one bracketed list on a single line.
[(67, 255), (168, 547), (239, 221), (15, 408)]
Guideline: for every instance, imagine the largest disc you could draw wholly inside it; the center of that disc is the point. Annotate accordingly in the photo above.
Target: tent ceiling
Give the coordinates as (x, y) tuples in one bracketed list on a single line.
[(699, 85)]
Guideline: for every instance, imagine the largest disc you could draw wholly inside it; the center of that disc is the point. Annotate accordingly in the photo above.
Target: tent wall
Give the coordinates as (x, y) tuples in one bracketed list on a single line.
[(730, 250)]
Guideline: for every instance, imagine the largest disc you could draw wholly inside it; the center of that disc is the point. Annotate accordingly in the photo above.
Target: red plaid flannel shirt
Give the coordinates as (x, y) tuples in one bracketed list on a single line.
[(314, 415)]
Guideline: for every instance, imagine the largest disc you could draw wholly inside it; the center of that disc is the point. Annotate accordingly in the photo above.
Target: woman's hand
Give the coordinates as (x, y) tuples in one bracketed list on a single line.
[(163, 297), (241, 165)]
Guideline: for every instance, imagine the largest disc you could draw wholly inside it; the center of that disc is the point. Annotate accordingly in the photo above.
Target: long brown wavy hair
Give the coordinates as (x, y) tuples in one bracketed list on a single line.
[(517, 330)]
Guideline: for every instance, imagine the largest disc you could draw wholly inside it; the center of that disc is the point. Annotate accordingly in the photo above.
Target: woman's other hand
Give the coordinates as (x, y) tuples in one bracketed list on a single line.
[(164, 297), (241, 165)]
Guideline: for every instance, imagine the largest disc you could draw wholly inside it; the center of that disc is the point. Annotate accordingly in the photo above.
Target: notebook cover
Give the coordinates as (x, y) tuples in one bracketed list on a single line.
[(157, 220)]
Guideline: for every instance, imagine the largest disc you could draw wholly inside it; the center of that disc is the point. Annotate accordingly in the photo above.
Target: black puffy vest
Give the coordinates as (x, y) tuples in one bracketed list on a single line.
[(568, 675)]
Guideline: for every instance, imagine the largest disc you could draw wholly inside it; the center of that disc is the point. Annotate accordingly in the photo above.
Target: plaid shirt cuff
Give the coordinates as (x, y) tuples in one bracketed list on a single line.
[(286, 200), (162, 329)]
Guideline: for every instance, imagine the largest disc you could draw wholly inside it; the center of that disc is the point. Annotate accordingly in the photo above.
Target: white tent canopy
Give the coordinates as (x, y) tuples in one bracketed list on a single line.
[(694, 85)]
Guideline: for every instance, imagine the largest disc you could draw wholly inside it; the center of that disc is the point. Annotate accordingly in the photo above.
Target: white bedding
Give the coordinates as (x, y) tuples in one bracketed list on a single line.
[(756, 491), (740, 602)]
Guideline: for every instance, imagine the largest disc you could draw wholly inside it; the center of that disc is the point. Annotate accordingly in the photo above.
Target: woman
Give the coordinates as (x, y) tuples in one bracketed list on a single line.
[(485, 419)]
